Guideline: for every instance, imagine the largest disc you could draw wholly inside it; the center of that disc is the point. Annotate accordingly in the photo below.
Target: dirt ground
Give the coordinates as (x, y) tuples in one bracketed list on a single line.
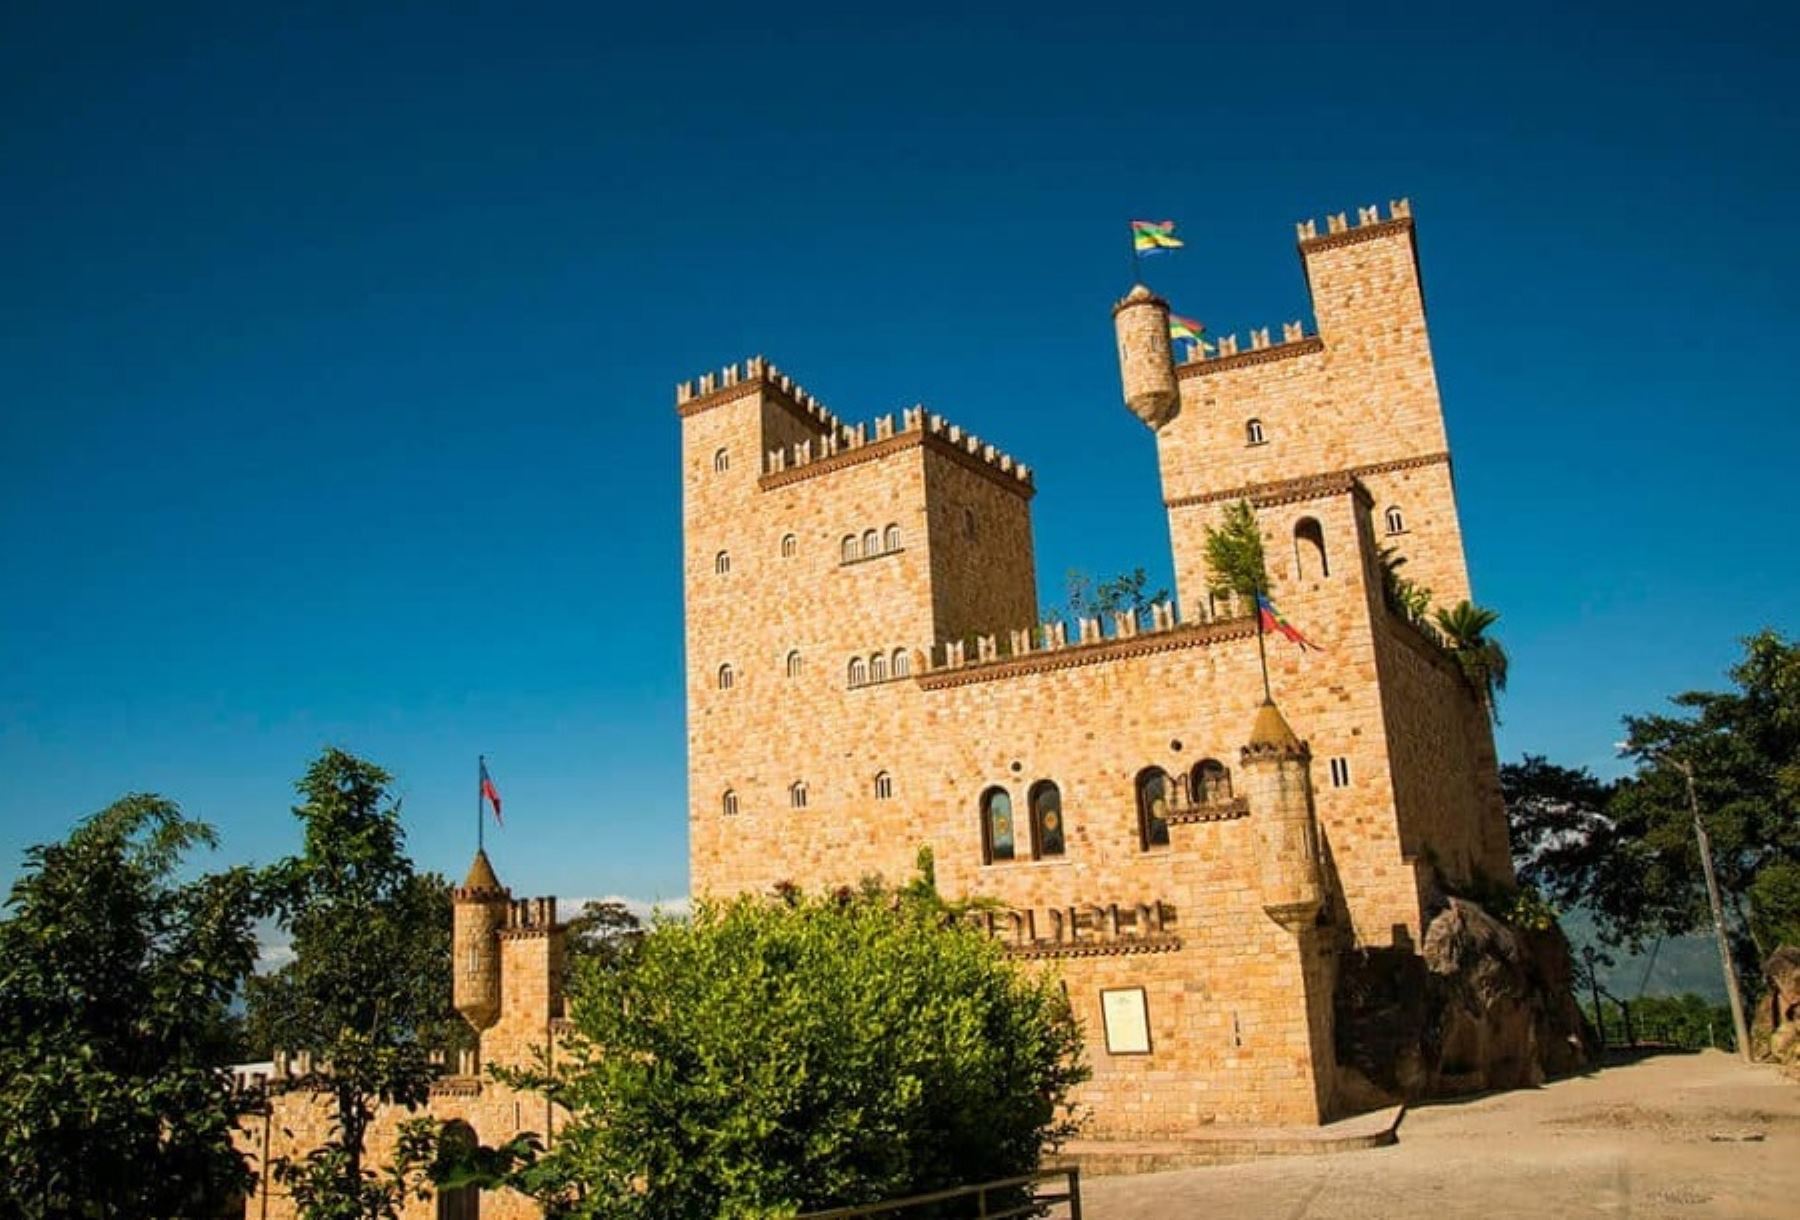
[(1677, 1135)]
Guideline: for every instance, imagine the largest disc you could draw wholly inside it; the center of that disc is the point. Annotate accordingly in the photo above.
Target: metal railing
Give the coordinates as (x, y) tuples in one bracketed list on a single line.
[(1034, 1204)]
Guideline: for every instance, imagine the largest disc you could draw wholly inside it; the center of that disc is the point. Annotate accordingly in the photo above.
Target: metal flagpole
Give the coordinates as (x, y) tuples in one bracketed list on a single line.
[(1262, 649), (480, 821)]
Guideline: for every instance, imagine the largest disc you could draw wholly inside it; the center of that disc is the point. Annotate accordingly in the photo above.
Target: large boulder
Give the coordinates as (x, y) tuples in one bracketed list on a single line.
[(1482, 1005), (1778, 1015)]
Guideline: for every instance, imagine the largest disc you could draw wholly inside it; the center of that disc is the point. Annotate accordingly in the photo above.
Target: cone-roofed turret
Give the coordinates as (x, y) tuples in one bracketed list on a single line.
[(1277, 775), (1146, 357), (481, 874)]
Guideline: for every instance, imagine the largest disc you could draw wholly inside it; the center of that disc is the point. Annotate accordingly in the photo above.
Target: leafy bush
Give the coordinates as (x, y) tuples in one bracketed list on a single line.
[(771, 1056)]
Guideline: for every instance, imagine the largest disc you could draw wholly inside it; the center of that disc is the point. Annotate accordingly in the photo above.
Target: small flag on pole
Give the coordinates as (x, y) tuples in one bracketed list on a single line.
[(1149, 236), (490, 794), (1186, 328), (1273, 620)]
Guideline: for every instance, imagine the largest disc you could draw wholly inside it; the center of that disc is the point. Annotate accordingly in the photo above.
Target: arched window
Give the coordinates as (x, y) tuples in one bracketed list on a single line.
[(730, 803), (790, 546), (848, 547), (902, 663), (1211, 782), (890, 538), (722, 562), (1253, 432), (859, 671), (884, 786), (996, 825), (878, 667), (1396, 522), (797, 794), (793, 663), (726, 676), (1153, 807), (1046, 820), (1309, 549), (461, 1202), (871, 543), (721, 461), (968, 523)]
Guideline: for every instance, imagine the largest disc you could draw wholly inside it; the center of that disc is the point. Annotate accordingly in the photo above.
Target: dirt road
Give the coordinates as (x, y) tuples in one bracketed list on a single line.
[(1694, 1135)]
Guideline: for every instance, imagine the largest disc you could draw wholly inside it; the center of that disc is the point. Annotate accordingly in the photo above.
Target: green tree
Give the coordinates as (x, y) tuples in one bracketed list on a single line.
[(368, 989), (1405, 596), (1556, 817), (1483, 661), (1128, 592), (1234, 553), (774, 1056), (114, 982), (1744, 747), (605, 933)]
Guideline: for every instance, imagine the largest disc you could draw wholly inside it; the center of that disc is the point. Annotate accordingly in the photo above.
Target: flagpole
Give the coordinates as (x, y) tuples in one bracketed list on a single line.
[(1262, 649), (480, 821)]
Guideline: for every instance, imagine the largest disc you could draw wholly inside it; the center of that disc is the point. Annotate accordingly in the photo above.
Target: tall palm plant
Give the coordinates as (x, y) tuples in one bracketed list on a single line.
[(1483, 660)]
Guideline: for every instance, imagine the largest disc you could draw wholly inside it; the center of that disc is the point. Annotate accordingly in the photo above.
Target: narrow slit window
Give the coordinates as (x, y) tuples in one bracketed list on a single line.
[(1396, 520), (721, 461), (730, 803), (884, 786), (902, 665), (1253, 432), (727, 677), (790, 546), (797, 794), (890, 538), (1309, 550), (793, 664), (722, 562), (847, 548), (878, 667), (1340, 772), (871, 543), (859, 671)]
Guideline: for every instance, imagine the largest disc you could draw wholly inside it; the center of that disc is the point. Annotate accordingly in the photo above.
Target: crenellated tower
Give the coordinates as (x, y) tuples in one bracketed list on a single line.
[(478, 912), (508, 968)]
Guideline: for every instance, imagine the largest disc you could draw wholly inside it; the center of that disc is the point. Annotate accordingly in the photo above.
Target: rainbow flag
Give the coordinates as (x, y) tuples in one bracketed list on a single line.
[(1149, 236), (1194, 332), (1271, 619)]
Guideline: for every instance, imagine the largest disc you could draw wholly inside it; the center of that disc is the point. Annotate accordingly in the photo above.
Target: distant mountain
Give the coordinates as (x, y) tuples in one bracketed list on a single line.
[(1678, 965)]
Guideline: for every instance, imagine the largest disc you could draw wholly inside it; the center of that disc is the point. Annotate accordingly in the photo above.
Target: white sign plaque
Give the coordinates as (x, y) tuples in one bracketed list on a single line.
[(1127, 1021)]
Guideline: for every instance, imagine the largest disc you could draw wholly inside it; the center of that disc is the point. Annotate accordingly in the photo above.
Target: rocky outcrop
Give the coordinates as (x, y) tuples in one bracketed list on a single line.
[(1776, 1031), (1481, 1005)]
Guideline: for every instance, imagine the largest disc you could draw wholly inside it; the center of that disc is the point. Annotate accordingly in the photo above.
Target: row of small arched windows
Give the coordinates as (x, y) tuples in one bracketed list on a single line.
[(883, 788), (879, 667), (871, 544)]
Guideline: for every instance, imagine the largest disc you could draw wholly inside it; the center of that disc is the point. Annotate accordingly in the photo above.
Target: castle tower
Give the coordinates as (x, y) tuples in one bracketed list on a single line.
[(1277, 775), (479, 911), (1146, 363)]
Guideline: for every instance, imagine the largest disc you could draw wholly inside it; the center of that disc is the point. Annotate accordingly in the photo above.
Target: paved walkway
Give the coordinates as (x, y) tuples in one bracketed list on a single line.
[(1679, 1135)]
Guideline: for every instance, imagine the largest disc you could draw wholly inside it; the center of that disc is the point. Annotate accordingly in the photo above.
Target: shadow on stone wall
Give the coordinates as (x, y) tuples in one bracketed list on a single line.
[(1481, 1005)]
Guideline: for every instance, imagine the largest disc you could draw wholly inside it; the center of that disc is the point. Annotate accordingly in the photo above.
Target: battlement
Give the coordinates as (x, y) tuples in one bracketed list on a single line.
[(1229, 354), (529, 917), (916, 425), (1369, 223), (1048, 646), (735, 380)]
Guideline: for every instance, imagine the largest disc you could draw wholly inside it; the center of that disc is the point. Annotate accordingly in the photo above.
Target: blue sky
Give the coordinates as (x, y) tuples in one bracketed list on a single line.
[(337, 350)]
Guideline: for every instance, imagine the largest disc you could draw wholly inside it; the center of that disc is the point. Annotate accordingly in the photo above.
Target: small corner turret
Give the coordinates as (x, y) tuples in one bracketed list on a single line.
[(1277, 768), (479, 909), (1146, 358)]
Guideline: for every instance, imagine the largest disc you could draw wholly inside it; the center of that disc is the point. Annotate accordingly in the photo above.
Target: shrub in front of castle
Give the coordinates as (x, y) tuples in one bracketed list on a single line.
[(776, 1055)]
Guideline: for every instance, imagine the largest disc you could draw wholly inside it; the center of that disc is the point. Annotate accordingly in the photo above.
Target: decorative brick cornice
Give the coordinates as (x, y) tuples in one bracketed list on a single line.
[(1311, 345), (1124, 946), (456, 1086), (913, 438), (1307, 487), (1224, 811), (1361, 233), (531, 933), (1197, 635)]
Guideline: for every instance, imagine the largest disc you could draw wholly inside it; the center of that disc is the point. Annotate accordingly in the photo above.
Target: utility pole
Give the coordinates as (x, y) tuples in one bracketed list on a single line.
[(1718, 912)]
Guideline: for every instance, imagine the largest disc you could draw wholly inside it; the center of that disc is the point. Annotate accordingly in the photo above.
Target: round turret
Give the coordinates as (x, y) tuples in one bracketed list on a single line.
[(1277, 770), (478, 912), (1146, 360)]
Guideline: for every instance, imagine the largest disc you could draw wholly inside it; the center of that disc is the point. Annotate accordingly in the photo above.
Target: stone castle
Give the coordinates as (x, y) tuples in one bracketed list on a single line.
[(866, 675), (508, 963)]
